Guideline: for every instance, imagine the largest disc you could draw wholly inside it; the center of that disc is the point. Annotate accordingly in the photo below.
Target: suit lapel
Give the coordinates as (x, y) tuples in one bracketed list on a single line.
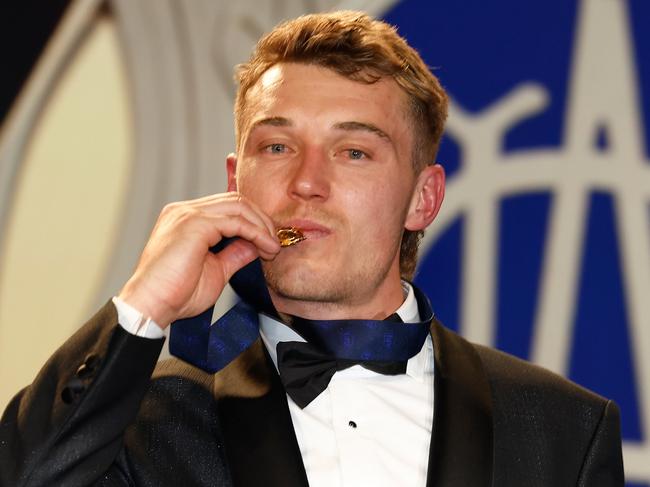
[(461, 451), (260, 442), (259, 439)]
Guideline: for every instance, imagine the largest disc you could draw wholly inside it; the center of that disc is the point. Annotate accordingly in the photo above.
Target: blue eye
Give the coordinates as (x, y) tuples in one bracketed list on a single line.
[(276, 148), (356, 154)]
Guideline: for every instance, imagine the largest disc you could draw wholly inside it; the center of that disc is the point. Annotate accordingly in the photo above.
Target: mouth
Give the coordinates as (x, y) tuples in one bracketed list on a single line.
[(294, 231)]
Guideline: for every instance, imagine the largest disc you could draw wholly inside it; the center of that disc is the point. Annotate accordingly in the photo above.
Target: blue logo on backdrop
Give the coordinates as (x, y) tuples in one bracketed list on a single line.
[(543, 244)]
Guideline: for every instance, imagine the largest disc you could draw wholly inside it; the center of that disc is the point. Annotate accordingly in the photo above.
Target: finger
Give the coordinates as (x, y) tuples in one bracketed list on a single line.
[(244, 206), (236, 204), (228, 226), (229, 205), (234, 257)]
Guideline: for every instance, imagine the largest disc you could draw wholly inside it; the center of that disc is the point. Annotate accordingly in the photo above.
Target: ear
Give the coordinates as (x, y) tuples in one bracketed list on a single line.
[(231, 170), (427, 198)]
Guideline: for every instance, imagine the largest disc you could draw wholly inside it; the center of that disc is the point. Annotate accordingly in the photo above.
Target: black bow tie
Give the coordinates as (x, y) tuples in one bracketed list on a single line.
[(306, 371)]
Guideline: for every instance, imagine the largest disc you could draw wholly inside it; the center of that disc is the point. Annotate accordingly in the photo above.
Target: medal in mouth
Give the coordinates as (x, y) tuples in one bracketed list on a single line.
[(289, 236)]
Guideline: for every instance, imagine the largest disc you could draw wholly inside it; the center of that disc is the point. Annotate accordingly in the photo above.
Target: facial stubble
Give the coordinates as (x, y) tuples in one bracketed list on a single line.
[(329, 286)]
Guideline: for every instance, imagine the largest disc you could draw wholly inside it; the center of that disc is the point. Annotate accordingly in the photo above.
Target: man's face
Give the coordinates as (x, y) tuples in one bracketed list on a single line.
[(331, 157)]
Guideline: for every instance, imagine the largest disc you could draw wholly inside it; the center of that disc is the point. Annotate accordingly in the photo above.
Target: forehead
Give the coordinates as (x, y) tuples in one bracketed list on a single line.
[(295, 90)]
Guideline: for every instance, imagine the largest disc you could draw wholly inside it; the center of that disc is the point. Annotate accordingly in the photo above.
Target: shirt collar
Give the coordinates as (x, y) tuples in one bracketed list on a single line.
[(273, 332)]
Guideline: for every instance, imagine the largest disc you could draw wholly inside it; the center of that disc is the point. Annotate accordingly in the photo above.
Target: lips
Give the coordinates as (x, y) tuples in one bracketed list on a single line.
[(308, 228)]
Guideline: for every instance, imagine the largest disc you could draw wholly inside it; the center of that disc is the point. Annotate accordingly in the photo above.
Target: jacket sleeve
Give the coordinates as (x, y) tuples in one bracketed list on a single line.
[(66, 428), (603, 465)]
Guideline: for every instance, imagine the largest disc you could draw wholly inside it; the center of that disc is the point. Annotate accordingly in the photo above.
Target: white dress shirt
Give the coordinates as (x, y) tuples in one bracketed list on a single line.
[(365, 429)]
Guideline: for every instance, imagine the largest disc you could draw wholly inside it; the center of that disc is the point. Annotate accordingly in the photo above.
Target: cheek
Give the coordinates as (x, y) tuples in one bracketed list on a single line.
[(251, 184), (390, 199), (379, 212), (261, 183)]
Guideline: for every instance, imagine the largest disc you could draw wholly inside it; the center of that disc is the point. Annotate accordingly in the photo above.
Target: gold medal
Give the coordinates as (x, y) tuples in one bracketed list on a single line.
[(290, 236)]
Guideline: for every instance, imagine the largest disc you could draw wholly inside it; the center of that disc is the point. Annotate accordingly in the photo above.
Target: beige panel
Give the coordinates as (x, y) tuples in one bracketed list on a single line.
[(68, 204)]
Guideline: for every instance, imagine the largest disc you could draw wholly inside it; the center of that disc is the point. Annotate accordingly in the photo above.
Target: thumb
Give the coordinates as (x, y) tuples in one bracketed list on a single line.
[(235, 256)]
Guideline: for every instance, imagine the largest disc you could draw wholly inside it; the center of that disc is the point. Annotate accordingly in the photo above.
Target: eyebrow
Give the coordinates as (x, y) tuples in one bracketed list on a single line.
[(271, 121), (364, 127), (346, 126)]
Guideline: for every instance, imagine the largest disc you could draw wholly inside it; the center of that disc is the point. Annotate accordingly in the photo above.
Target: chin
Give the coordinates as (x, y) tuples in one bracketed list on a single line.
[(305, 282)]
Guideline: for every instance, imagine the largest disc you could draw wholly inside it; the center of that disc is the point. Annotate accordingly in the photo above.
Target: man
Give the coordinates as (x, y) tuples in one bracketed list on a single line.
[(338, 122)]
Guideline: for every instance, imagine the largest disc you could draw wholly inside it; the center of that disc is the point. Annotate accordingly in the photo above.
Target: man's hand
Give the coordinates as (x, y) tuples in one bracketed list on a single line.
[(177, 275)]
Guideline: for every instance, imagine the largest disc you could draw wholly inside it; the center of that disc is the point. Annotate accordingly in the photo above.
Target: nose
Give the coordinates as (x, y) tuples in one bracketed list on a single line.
[(310, 179)]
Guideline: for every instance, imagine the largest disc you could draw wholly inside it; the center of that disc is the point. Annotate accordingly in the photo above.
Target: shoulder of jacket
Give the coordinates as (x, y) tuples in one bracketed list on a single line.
[(510, 373)]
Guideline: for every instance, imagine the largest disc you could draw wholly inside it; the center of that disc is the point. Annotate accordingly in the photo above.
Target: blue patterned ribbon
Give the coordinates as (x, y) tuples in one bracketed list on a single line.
[(213, 346)]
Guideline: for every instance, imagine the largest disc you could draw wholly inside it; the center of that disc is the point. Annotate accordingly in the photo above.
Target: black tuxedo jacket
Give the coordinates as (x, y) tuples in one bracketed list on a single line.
[(96, 416)]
